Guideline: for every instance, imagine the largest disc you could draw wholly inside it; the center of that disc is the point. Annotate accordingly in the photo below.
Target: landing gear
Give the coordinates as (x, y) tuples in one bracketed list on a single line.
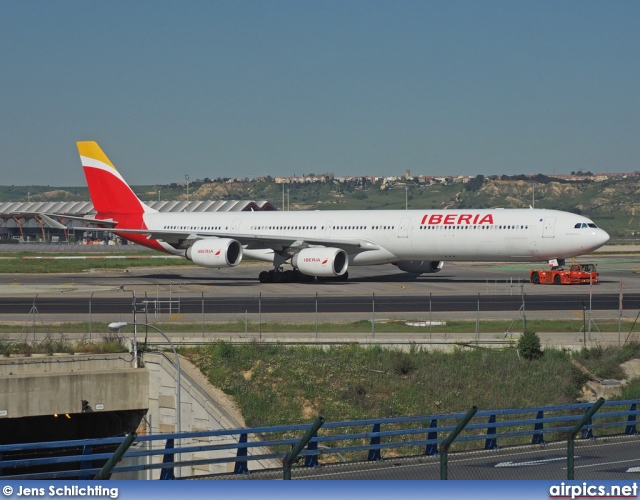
[(294, 276), (265, 277), (281, 276)]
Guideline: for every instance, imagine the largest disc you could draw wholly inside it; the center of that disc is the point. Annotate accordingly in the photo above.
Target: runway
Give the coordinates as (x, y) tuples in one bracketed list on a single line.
[(461, 287)]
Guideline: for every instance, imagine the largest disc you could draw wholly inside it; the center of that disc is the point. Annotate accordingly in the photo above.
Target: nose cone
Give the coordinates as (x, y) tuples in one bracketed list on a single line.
[(598, 238), (603, 237)]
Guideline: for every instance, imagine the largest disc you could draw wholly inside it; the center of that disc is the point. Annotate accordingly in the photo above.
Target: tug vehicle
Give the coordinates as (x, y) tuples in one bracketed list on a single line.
[(577, 274)]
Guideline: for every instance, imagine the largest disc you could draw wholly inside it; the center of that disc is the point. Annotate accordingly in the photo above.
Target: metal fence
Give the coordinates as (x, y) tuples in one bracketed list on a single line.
[(488, 319), (526, 443)]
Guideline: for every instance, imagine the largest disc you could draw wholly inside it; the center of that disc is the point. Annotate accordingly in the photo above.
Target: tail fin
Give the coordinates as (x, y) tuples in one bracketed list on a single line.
[(109, 192)]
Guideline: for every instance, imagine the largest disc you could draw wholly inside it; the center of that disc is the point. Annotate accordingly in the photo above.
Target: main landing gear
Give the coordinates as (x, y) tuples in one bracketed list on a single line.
[(294, 276)]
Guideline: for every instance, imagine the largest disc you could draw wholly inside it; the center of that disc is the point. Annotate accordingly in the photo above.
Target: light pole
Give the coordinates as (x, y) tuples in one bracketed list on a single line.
[(187, 177), (121, 324)]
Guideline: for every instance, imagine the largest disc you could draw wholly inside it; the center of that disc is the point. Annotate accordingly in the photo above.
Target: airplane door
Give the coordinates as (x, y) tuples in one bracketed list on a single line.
[(327, 229), (403, 230), (549, 227), (235, 226)]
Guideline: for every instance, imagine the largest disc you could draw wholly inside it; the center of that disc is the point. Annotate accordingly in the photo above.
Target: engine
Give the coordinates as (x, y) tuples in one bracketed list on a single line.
[(215, 252), (324, 262), (420, 266)]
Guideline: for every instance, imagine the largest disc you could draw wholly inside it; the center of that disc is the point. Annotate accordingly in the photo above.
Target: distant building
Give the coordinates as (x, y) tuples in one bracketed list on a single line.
[(19, 220)]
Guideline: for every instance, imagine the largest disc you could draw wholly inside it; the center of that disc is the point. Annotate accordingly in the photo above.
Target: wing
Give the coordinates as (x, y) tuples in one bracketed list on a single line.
[(49, 219), (182, 238), (251, 241)]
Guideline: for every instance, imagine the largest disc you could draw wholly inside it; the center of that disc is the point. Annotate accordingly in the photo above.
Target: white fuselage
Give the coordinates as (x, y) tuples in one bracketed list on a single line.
[(512, 235)]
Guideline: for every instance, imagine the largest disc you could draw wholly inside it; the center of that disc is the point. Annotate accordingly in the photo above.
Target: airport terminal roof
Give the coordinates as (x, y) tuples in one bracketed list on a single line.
[(80, 208)]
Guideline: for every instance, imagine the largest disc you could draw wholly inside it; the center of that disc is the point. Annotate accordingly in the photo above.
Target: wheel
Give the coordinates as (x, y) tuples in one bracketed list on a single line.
[(535, 278), (264, 277), (343, 277), (279, 277), (557, 280), (305, 278)]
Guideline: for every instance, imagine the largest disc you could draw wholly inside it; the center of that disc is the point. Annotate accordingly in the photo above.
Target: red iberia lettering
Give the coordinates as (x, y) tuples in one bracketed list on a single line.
[(468, 219), (450, 219)]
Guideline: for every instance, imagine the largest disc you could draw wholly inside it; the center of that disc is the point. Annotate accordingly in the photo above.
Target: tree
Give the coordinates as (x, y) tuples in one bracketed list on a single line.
[(529, 345), (475, 184)]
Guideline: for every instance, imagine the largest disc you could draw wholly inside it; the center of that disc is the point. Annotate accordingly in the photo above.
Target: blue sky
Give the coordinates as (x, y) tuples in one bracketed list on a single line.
[(243, 88)]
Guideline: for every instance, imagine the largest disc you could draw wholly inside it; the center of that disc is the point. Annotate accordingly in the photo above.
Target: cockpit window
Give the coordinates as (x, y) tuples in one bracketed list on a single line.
[(592, 225), (584, 225), (577, 226)]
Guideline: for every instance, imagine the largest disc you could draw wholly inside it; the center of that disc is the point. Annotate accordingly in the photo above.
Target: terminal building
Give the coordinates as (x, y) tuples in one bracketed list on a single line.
[(19, 220)]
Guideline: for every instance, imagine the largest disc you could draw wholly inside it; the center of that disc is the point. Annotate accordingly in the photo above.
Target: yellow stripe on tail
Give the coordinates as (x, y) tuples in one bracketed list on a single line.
[(90, 149)]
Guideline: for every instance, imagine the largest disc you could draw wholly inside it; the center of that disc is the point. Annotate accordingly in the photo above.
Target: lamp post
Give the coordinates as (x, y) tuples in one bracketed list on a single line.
[(187, 177), (121, 324)]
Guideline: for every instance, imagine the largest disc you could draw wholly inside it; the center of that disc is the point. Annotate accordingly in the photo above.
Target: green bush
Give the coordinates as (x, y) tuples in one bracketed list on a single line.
[(529, 346), (403, 363), (632, 389)]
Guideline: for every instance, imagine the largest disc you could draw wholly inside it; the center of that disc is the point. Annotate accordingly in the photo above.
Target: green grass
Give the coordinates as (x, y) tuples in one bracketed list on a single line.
[(279, 385), (275, 384), (399, 327), (53, 344), (15, 264), (604, 362)]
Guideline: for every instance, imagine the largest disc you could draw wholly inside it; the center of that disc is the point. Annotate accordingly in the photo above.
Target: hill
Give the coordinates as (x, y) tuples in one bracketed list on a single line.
[(614, 204), (278, 384)]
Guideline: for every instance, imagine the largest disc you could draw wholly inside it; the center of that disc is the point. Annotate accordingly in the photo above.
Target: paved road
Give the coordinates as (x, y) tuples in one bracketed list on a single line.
[(614, 458), (296, 304)]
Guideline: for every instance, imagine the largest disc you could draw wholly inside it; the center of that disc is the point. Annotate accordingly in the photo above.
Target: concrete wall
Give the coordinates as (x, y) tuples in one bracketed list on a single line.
[(203, 408), (32, 386), (57, 384)]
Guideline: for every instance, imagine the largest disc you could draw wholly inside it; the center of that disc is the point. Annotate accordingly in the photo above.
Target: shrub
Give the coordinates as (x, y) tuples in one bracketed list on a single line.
[(402, 363), (529, 346)]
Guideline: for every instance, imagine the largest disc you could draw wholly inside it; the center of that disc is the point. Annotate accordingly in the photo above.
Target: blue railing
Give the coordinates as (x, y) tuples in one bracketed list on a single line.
[(82, 458)]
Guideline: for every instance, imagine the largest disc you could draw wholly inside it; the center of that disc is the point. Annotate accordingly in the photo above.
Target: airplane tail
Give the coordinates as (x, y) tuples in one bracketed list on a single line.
[(109, 192)]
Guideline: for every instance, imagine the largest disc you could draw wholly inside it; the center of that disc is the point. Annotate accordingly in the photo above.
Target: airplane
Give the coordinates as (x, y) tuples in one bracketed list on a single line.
[(324, 244)]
